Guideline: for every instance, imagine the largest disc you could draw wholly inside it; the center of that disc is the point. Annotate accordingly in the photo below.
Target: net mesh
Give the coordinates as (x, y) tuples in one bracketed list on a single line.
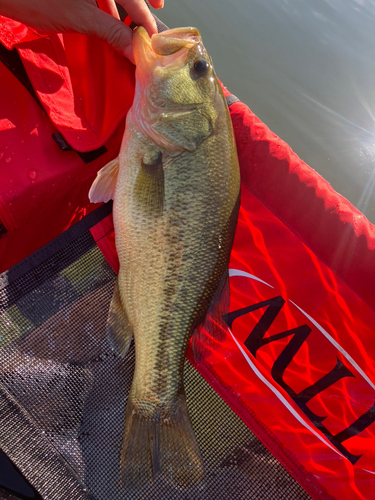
[(63, 391)]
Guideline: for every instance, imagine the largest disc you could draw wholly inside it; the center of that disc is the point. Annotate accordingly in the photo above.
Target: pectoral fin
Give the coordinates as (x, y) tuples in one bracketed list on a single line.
[(103, 187), (149, 187), (118, 329)]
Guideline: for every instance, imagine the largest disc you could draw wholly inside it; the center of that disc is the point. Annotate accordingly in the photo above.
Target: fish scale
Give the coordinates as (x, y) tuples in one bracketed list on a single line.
[(176, 195)]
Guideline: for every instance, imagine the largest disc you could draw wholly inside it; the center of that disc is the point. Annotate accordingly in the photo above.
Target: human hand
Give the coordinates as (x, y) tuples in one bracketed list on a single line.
[(83, 16)]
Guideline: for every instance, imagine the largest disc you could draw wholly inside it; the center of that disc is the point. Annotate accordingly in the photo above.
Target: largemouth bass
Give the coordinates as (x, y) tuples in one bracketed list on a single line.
[(175, 187)]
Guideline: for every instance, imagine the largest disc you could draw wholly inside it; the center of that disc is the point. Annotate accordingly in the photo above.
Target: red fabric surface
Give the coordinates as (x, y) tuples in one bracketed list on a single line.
[(43, 189), (86, 90), (85, 86), (335, 230), (13, 32)]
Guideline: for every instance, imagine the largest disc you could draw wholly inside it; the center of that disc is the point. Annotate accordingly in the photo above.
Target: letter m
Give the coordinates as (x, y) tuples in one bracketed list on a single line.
[(257, 338)]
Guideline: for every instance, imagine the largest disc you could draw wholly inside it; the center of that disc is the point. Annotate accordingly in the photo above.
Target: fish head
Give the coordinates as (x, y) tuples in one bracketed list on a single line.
[(177, 92)]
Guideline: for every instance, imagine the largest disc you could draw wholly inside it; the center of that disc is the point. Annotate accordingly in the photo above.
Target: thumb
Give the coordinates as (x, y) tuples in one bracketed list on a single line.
[(113, 31)]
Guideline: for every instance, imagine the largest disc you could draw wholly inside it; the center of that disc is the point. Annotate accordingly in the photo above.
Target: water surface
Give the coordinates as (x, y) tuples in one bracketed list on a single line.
[(306, 68)]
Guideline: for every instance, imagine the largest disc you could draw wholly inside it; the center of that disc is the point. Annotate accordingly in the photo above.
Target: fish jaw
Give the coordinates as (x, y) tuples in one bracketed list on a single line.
[(147, 50), (171, 41)]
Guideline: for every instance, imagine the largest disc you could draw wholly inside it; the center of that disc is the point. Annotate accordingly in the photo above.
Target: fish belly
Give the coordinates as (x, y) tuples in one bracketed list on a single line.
[(171, 263)]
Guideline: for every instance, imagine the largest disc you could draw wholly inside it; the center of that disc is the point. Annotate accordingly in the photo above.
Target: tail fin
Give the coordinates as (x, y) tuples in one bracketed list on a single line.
[(160, 443)]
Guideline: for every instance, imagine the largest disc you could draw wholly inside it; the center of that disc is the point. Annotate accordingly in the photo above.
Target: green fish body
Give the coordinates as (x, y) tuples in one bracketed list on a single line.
[(175, 187)]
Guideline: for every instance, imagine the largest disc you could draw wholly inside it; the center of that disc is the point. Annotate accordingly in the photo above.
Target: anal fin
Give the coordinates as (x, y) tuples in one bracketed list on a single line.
[(118, 329)]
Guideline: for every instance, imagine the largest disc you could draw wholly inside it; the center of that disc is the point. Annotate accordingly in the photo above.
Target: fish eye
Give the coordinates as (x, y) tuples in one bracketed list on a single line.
[(200, 67)]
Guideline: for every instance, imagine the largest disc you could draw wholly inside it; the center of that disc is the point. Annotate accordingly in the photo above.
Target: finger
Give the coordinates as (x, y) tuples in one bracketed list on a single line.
[(112, 31), (140, 14), (156, 4), (109, 7)]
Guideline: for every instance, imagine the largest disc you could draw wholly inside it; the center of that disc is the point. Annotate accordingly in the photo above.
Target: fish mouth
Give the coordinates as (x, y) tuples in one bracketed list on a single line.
[(146, 50)]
